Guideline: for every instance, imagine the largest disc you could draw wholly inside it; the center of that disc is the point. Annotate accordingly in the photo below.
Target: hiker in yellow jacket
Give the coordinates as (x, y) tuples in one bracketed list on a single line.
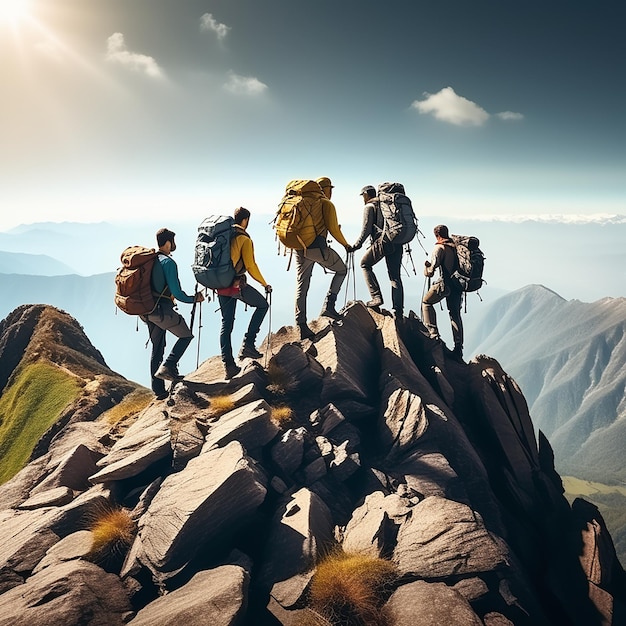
[(321, 253), (242, 255)]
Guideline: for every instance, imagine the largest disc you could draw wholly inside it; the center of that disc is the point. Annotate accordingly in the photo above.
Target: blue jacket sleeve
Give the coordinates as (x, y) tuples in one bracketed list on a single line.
[(170, 269)]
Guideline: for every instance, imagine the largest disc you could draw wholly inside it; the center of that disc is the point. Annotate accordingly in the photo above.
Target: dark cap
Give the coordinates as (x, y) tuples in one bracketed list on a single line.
[(163, 235), (369, 190)]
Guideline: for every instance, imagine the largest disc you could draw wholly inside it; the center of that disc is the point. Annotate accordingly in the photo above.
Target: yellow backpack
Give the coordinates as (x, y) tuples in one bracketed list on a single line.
[(299, 219)]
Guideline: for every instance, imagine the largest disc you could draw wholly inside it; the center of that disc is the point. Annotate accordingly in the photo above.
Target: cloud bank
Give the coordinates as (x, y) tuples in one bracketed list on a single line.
[(446, 105), (117, 52), (209, 23), (244, 85)]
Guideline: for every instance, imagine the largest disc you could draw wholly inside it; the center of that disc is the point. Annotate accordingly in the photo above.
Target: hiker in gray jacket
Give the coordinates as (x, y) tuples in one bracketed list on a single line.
[(373, 226), (445, 259)]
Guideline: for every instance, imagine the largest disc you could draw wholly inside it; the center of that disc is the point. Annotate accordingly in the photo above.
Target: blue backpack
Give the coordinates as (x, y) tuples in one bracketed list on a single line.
[(213, 267)]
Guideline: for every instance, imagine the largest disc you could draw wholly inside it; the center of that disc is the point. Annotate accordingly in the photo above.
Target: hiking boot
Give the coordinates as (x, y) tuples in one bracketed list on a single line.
[(305, 331), (248, 351), (231, 370), (168, 372), (161, 395), (374, 303), (329, 307)]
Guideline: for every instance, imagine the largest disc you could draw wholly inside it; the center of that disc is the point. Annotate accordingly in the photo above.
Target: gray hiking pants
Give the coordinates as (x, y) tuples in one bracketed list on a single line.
[(393, 258), (305, 260), (435, 294), (162, 320)]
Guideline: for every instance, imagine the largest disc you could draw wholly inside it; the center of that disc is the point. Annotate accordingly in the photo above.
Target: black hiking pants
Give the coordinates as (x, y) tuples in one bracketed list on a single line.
[(392, 253)]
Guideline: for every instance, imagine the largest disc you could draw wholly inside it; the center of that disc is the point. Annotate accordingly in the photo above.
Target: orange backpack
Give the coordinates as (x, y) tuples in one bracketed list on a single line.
[(133, 288)]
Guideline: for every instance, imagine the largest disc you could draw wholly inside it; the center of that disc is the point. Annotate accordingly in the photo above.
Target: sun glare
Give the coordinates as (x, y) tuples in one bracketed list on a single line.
[(13, 10)]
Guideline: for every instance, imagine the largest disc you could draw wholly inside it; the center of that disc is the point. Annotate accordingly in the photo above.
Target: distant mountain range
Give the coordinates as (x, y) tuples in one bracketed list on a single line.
[(568, 357)]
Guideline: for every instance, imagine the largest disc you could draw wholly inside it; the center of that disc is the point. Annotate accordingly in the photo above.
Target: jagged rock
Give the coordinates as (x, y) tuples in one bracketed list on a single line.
[(73, 471), (404, 421), (369, 531), (445, 538), (472, 588), (218, 596), (75, 592), (75, 546), (292, 372), (249, 424), (430, 604), (26, 536), (344, 464), (288, 451), (327, 418), (300, 529), (324, 446), (187, 443), (346, 353), (217, 492), (429, 473), (599, 563), (315, 470), (52, 497), (144, 443)]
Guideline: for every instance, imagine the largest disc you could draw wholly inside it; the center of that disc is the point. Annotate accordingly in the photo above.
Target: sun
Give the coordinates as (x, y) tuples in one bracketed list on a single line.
[(14, 10)]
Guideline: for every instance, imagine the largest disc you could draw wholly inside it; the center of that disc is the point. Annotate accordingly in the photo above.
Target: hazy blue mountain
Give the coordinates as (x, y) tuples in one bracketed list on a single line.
[(568, 356), (578, 259), (37, 264)]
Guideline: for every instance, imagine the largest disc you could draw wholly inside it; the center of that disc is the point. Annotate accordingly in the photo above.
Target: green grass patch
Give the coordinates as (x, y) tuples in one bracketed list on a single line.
[(28, 407), (578, 487)]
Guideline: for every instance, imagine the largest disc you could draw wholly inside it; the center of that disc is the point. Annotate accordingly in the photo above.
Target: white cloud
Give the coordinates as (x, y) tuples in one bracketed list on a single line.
[(208, 22), (510, 115), (244, 85), (117, 52), (449, 107)]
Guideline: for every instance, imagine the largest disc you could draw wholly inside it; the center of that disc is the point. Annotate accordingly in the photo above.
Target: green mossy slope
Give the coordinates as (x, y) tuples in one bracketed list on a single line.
[(34, 400)]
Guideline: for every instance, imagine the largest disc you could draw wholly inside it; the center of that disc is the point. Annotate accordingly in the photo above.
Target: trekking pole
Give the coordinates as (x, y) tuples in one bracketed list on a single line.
[(408, 251), (268, 297), (193, 308), (199, 334)]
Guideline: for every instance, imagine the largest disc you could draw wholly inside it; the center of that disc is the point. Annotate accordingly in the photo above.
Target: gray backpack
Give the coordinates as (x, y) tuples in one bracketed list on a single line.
[(212, 265), (400, 223)]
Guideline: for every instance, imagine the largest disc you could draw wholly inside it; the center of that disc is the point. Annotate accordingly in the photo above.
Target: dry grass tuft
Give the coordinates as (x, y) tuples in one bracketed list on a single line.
[(282, 415), (113, 532), (278, 380), (352, 588), (221, 404), (129, 407)]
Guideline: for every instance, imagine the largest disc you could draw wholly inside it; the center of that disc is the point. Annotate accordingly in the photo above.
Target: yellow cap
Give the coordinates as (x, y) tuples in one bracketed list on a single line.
[(324, 181)]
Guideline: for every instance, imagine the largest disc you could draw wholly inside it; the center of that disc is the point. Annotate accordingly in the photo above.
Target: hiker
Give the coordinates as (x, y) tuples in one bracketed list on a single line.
[(445, 258), (373, 227), (320, 252), (166, 287), (242, 255)]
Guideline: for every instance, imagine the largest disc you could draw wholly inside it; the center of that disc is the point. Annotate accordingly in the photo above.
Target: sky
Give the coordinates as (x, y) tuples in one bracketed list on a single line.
[(120, 109)]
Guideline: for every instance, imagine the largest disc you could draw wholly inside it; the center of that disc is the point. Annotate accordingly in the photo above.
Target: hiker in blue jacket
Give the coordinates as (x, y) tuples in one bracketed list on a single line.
[(164, 318)]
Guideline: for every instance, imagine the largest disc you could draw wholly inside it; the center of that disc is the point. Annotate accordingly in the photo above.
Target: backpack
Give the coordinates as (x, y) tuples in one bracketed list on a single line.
[(397, 211), (299, 219), (471, 262), (213, 266), (133, 287)]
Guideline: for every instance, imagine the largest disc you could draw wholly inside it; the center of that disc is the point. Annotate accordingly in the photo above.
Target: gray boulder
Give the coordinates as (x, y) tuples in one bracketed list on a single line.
[(148, 440), (249, 424), (71, 593), (216, 493), (430, 604), (445, 538), (301, 528), (218, 597)]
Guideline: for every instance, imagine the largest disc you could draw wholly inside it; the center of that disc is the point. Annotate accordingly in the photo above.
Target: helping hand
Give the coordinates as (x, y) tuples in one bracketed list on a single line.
[(268, 288)]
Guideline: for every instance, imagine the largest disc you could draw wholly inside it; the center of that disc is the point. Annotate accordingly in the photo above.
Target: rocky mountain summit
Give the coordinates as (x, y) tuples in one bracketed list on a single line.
[(369, 445)]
